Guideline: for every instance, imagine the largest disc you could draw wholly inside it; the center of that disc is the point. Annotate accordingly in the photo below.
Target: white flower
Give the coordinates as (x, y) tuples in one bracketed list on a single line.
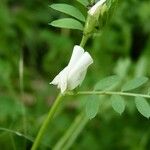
[(73, 75), (95, 9)]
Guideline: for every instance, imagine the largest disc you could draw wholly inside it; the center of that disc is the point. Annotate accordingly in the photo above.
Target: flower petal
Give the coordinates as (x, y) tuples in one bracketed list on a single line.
[(77, 73), (73, 75), (82, 77), (78, 51), (82, 64), (76, 80), (61, 80), (55, 81)]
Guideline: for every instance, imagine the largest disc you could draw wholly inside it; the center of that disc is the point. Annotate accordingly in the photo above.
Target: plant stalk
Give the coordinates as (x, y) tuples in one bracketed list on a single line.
[(84, 40), (108, 93), (46, 122), (71, 133), (73, 136)]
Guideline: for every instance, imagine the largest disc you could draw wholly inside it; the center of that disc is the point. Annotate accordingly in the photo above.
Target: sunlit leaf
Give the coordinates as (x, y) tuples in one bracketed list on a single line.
[(142, 106), (135, 83), (92, 106), (107, 82), (68, 23), (83, 2), (69, 9), (118, 103)]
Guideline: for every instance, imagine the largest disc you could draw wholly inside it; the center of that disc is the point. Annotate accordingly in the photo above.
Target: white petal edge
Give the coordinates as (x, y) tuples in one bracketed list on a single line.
[(55, 80), (78, 51), (96, 6), (61, 80)]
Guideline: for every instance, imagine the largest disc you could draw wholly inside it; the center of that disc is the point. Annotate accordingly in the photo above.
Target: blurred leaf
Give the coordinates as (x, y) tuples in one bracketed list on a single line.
[(142, 106), (148, 91), (83, 2), (135, 83), (70, 10), (107, 82), (122, 67), (118, 104), (68, 23), (141, 67), (5, 70), (92, 106), (9, 107)]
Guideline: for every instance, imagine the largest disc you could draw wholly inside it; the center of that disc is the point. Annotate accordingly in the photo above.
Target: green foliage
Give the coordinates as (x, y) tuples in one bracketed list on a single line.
[(68, 23), (5, 70), (107, 82), (106, 87), (83, 2), (118, 103), (121, 48), (142, 106), (70, 10), (122, 67), (135, 83), (9, 105), (92, 106)]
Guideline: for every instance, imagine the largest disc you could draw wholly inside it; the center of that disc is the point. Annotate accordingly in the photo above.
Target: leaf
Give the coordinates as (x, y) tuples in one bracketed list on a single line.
[(68, 9), (8, 105), (107, 82), (122, 67), (142, 106), (135, 83), (118, 104), (141, 67), (83, 2), (68, 23), (92, 106)]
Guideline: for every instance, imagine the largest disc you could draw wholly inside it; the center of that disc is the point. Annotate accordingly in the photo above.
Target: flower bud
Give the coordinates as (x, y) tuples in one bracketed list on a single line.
[(73, 75), (93, 16), (96, 9)]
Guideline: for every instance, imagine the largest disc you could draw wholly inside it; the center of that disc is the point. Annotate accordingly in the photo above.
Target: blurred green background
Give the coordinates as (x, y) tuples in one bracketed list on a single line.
[(123, 48)]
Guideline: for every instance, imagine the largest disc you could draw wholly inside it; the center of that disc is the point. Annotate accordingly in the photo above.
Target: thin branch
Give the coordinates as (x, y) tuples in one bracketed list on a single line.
[(17, 133), (108, 93), (31, 139)]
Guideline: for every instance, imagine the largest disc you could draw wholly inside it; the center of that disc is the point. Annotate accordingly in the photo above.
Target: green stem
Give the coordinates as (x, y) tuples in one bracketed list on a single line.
[(46, 122), (21, 73), (16, 133), (73, 136), (109, 93), (13, 142), (84, 40), (72, 129)]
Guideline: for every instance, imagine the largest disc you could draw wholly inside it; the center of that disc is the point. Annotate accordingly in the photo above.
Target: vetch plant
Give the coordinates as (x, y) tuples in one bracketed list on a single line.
[(74, 73)]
